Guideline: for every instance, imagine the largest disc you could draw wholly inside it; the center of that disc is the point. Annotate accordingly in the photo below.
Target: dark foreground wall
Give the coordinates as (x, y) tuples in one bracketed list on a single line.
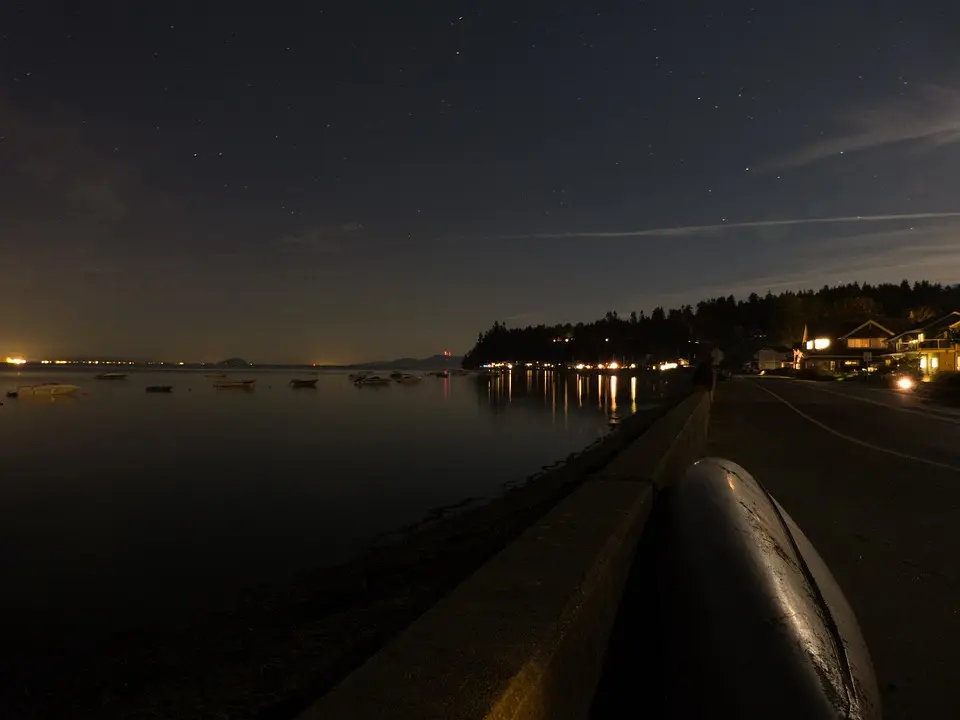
[(524, 636)]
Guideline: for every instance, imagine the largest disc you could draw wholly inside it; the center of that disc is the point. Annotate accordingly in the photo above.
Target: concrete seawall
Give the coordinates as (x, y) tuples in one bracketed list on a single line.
[(524, 636)]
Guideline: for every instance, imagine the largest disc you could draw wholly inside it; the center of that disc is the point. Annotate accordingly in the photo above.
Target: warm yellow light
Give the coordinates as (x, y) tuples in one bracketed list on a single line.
[(578, 366), (821, 343), (613, 366), (904, 383), (16, 361), (668, 366)]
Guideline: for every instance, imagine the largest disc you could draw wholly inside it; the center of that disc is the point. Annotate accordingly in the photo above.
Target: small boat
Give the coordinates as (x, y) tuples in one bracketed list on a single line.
[(354, 377), (110, 376), (240, 384), (46, 389), (215, 376), (408, 379), (296, 383), (159, 388), (372, 380)]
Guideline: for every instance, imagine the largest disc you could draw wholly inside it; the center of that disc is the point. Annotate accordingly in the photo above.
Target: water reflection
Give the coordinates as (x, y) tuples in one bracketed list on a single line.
[(208, 491), (549, 389)]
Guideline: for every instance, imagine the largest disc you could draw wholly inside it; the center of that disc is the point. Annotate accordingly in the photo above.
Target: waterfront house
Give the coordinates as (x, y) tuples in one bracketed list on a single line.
[(936, 345), (844, 347)]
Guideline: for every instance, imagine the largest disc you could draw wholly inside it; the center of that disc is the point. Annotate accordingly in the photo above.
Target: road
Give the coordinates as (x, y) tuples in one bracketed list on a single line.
[(873, 478)]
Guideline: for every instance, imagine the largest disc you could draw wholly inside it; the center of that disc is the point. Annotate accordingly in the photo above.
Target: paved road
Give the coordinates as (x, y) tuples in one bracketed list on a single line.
[(873, 478)]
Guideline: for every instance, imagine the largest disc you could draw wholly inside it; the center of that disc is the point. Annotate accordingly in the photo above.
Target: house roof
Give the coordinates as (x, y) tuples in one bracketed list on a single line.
[(941, 324), (842, 330), (868, 329)]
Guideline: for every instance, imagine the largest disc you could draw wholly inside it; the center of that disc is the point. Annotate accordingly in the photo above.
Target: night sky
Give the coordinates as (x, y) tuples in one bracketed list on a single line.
[(335, 182)]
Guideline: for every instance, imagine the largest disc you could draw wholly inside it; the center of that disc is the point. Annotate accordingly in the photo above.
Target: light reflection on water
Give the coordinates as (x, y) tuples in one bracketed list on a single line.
[(119, 503)]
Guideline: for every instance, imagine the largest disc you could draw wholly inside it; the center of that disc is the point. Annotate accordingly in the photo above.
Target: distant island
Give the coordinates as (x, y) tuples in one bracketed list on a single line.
[(434, 362), (233, 362)]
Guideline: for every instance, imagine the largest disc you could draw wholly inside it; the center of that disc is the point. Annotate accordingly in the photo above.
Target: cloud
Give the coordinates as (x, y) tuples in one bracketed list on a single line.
[(324, 240), (931, 118), (700, 230), (930, 253), (520, 316), (52, 155)]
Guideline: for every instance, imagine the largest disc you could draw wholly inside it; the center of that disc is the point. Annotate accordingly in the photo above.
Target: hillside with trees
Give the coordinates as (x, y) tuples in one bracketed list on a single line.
[(739, 327)]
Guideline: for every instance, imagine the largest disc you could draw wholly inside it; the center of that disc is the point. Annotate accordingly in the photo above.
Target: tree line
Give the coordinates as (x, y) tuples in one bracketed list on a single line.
[(738, 327)]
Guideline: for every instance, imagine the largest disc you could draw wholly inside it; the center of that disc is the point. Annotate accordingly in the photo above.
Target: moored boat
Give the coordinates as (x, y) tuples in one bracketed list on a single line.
[(354, 377), (238, 384), (297, 383), (372, 380), (404, 379), (47, 389)]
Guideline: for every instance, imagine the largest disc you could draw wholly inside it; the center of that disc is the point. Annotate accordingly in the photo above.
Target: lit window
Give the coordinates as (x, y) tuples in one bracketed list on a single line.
[(809, 344), (821, 344), (934, 362), (923, 362)]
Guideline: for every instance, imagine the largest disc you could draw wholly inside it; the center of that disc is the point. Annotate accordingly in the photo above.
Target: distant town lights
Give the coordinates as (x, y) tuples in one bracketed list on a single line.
[(16, 361)]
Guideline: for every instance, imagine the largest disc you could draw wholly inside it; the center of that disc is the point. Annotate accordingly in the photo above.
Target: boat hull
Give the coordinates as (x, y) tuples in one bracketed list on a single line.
[(47, 389)]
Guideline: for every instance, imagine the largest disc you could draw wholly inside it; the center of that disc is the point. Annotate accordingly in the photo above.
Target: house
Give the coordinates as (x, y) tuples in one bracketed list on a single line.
[(772, 358), (850, 346), (936, 345)]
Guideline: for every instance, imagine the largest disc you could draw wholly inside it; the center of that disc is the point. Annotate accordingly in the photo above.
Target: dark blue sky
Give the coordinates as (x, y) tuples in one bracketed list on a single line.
[(333, 182)]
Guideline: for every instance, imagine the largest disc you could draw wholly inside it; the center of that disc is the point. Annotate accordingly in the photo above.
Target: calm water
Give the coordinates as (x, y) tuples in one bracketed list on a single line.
[(119, 505)]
